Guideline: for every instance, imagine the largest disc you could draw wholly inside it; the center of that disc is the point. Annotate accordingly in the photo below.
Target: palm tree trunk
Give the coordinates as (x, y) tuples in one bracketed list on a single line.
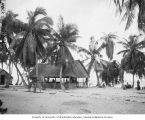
[(60, 75), (9, 65), (2, 64), (107, 76), (35, 82), (24, 83), (122, 77), (98, 81), (17, 79), (21, 83), (89, 71), (133, 81), (28, 72)]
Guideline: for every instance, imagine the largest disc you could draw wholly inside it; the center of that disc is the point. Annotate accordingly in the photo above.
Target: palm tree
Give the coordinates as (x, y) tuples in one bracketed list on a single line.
[(94, 56), (132, 56), (114, 71), (128, 8), (68, 33), (33, 36), (58, 50), (10, 25), (108, 41), (3, 55)]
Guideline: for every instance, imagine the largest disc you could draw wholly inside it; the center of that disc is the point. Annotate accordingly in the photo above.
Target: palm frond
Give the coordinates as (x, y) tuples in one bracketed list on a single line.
[(60, 23), (128, 8), (123, 51), (125, 45), (10, 24), (110, 49), (40, 47), (87, 58), (141, 45), (119, 4), (30, 14), (103, 45), (73, 46), (129, 15), (49, 52), (40, 11), (64, 55), (44, 32), (108, 38), (16, 39), (69, 33), (46, 20), (33, 15), (85, 51)]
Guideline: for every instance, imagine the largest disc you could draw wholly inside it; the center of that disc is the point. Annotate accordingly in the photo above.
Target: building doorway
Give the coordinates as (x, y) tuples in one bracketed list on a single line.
[(2, 80)]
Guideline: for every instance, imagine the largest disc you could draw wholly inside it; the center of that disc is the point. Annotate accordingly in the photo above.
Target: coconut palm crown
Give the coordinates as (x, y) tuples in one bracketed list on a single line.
[(133, 57), (109, 44), (58, 52), (61, 40), (34, 36), (10, 26), (93, 54), (128, 8)]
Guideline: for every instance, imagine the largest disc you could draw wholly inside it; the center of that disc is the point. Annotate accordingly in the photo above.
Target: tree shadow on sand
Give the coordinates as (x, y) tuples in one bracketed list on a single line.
[(33, 92)]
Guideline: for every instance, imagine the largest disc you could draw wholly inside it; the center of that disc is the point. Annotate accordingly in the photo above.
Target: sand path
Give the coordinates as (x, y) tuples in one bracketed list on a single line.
[(74, 101)]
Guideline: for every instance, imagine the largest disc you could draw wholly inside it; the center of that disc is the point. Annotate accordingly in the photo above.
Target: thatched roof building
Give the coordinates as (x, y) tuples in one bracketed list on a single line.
[(5, 77), (75, 69)]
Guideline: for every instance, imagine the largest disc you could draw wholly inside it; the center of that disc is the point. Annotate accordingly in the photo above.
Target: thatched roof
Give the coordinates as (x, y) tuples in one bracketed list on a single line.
[(100, 66), (76, 69), (7, 75)]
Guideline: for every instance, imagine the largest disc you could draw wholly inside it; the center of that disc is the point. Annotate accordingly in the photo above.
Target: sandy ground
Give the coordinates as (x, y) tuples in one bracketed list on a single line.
[(74, 101)]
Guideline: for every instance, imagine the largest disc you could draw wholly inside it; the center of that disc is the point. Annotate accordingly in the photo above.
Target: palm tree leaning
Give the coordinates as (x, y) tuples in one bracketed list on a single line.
[(10, 26), (63, 39), (133, 57), (94, 55), (128, 8), (33, 36)]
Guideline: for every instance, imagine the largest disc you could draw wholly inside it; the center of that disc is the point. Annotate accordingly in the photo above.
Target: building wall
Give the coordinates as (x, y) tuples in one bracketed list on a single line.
[(6, 77)]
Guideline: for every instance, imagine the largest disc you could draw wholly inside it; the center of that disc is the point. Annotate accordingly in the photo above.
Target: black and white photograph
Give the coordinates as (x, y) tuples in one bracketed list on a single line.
[(72, 57)]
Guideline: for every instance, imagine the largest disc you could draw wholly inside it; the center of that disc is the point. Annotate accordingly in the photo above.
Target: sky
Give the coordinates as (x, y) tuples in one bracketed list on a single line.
[(93, 17)]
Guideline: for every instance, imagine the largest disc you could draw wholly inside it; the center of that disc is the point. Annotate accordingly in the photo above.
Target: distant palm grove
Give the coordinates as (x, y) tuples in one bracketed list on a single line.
[(37, 41)]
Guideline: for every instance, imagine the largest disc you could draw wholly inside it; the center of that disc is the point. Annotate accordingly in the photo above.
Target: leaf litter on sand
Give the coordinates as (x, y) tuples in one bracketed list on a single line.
[(85, 110), (75, 95), (52, 92), (140, 92), (127, 100)]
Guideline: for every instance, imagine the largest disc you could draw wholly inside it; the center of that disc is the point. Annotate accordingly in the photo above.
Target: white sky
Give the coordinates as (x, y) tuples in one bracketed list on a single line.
[(93, 17)]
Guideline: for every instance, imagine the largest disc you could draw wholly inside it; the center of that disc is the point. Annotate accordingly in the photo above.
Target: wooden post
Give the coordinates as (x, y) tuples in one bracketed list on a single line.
[(83, 82), (69, 83), (55, 84), (76, 82)]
